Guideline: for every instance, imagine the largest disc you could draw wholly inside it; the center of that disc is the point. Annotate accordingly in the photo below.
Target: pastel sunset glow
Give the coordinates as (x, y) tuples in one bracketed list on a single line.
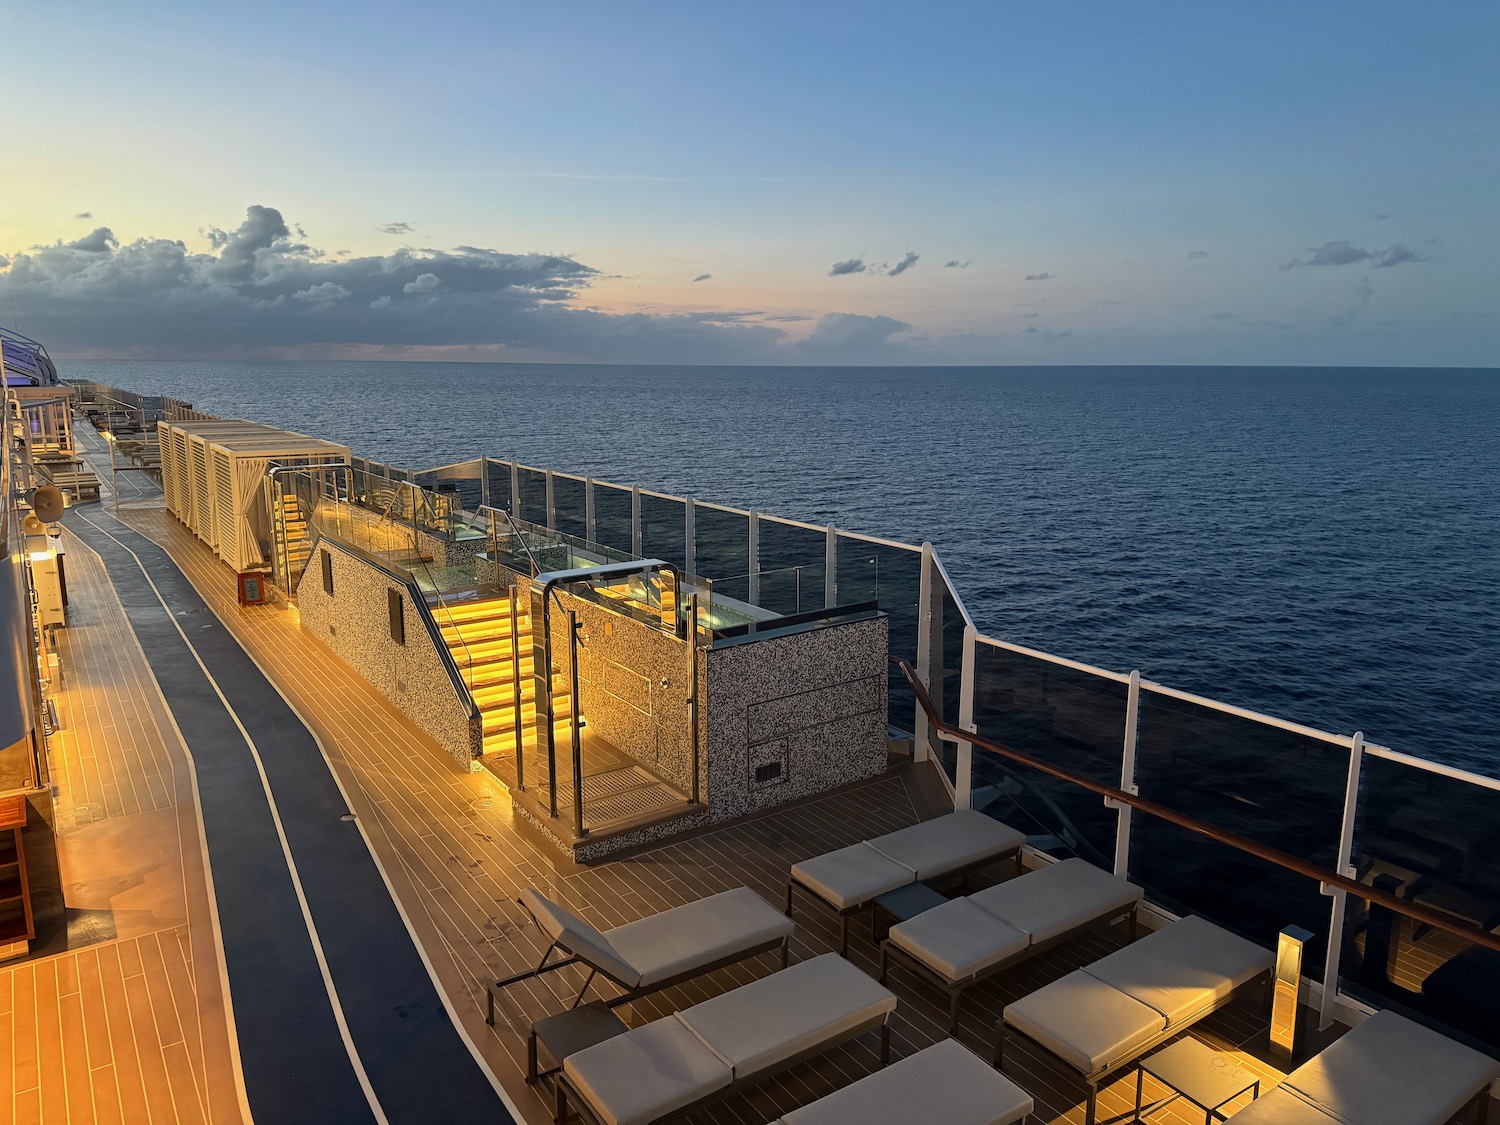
[(1269, 183)]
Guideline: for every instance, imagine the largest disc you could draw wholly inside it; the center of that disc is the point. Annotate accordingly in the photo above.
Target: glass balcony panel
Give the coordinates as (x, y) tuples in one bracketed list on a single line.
[(533, 496), (612, 517), (721, 542), (946, 688), (891, 576), (1433, 839), (1277, 787), (786, 547), (1068, 718), (570, 501), (498, 474), (664, 529)]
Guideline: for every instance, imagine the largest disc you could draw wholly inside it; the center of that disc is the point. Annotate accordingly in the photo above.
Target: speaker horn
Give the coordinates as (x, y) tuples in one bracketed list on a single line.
[(33, 526), (47, 503)]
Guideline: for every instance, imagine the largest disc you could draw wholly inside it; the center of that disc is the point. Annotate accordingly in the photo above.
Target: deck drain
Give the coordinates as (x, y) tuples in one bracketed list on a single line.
[(87, 810), (482, 803)]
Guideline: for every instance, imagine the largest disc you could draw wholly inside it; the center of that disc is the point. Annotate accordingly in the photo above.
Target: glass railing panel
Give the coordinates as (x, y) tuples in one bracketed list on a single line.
[(1063, 716), (461, 481), (570, 505), (785, 546), (721, 541), (1283, 788), (947, 686), (891, 575), (533, 495), (1433, 838), (664, 529), (497, 475), (612, 517)]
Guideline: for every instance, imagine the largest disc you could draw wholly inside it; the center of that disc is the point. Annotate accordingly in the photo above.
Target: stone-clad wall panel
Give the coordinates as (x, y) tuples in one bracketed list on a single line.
[(355, 624)]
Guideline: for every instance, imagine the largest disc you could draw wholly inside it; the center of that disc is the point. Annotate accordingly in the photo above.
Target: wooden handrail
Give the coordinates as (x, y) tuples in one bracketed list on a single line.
[(1435, 918)]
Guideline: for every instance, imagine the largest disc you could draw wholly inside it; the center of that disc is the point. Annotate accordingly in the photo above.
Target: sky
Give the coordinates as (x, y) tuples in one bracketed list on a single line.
[(1257, 182)]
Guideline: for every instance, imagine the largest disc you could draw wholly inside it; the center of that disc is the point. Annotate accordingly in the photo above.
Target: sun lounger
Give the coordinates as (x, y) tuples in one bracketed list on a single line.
[(946, 1083), (677, 1063), (967, 940), (659, 951), (1110, 1013), (851, 878), (1387, 1071)]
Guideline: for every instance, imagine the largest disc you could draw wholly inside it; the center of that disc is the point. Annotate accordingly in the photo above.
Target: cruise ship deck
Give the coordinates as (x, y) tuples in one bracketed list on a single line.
[(238, 806)]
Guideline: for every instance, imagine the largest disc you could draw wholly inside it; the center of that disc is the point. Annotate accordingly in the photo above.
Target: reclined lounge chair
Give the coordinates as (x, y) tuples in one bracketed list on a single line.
[(1101, 1017), (1387, 1071), (945, 1083), (679, 1062), (966, 940), (659, 951), (851, 878)]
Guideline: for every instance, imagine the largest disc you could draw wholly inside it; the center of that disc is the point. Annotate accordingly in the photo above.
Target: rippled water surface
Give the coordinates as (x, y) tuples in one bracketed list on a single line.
[(1320, 544)]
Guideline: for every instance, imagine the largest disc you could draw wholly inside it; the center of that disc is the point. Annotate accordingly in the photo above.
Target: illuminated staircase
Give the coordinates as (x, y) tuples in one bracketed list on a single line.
[(298, 541)]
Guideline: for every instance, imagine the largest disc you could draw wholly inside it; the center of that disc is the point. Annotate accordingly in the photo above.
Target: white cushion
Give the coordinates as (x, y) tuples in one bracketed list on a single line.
[(962, 838), (1284, 1107), (1183, 969), (852, 876), (1085, 1022), (766, 1022), (699, 933), (579, 938), (646, 1073), (1391, 1071), (1058, 898), (945, 1084), (959, 939)]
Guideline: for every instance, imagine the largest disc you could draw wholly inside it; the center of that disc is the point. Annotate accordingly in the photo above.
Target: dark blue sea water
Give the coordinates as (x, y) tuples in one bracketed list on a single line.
[(1320, 544)]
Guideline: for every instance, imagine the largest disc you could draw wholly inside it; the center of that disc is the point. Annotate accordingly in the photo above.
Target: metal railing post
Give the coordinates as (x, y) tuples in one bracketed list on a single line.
[(551, 504), (689, 536), (1127, 777), (515, 489), (578, 829), (920, 750), (590, 521), (484, 481), (635, 520), (515, 682), (693, 699), (963, 781), (753, 582), (1344, 866), (831, 568)]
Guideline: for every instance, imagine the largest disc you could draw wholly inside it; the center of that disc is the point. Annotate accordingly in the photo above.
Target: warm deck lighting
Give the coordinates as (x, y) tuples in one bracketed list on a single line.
[(1285, 991)]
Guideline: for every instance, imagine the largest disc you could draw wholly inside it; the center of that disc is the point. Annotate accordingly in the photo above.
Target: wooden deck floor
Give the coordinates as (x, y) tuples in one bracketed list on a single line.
[(456, 862), (120, 1018)]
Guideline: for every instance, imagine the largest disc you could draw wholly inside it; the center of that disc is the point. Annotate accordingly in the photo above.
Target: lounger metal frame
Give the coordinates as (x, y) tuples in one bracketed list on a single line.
[(1018, 856), (891, 952), (630, 992), (1261, 980), (567, 1093)]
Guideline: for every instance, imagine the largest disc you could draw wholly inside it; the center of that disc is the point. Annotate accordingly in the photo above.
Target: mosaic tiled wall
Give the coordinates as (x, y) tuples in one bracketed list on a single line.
[(355, 624), (790, 716)]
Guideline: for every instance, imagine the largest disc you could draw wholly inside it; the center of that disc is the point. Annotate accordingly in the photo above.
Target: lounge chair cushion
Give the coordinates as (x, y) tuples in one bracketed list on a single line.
[(946, 1084), (768, 1021), (1058, 898), (962, 838), (688, 937), (1085, 1022), (1184, 968), (1284, 1107), (579, 938), (648, 1072), (959, 939), (853, 876), (1391, 1071)]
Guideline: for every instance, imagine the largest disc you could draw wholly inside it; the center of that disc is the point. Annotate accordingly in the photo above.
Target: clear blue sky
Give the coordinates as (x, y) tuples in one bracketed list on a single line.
[(1184, 182)]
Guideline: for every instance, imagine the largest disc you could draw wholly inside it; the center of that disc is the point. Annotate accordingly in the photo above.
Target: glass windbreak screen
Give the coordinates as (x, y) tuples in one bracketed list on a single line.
[(664, 529), (722, 542), (533, 496), (1067, 718), (498, 475), (949, 662), (891, 576), (1435, 840), (1276, 787), (802, 550), (612, 518), (570, 504), (459, 481)]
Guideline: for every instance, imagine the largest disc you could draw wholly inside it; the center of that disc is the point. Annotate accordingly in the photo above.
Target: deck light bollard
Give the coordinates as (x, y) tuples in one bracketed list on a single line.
[(1286, 988), (578, 829)]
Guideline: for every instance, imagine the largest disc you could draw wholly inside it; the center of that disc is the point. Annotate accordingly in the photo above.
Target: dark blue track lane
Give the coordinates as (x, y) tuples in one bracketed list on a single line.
[(296, 1065)]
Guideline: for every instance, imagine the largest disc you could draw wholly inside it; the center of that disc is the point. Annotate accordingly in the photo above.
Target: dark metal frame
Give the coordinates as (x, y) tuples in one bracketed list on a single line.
[(567, 1093), (890, 952), (1262, 980)]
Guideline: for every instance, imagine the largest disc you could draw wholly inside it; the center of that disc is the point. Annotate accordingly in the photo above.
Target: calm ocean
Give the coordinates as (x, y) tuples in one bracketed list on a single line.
[(1320, 544)]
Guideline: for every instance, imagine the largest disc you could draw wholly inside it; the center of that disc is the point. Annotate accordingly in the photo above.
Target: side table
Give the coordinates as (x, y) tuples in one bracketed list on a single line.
[(568, 1033), (1207, 1078), (900, 905)]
